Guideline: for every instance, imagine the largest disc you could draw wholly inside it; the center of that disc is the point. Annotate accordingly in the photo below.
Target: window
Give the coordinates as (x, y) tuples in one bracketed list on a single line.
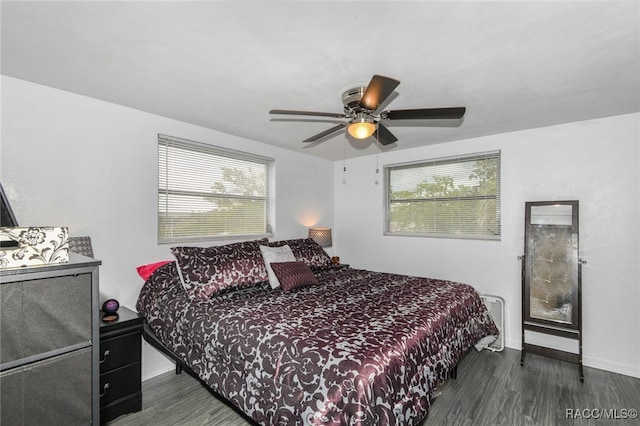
[(206, 192), (456, 197)]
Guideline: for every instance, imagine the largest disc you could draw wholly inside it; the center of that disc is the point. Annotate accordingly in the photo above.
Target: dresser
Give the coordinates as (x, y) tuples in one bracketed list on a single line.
[(120, 365), (48, 343)]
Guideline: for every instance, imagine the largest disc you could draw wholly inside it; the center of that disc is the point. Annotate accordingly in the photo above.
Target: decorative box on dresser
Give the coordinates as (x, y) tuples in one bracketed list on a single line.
[(120, 365), (48, 343)]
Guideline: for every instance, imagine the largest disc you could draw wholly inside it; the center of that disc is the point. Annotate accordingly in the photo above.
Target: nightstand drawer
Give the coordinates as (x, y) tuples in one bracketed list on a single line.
[(119, 350), (119, 383)]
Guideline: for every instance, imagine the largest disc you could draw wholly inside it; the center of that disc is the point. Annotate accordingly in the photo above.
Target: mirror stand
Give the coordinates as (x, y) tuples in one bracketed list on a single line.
[(552, 278)]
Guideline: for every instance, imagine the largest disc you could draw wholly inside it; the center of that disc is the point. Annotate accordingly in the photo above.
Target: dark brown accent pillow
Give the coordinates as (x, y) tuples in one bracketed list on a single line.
[(293, 275), (205, 271), (308, 251)]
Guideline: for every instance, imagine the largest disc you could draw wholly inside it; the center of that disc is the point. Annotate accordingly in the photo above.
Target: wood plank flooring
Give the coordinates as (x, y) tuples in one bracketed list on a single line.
[(491, 389)]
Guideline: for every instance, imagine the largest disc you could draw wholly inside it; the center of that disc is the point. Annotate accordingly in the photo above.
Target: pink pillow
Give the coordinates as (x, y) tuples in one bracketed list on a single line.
[(293, 275), (146, 271)]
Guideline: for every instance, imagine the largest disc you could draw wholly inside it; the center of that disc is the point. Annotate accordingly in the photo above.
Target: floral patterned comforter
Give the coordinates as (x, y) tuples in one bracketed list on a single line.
[(363, 347)]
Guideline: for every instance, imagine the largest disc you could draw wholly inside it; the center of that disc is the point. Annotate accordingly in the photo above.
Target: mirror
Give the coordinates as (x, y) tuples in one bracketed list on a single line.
[(551, 277), (552, 264)]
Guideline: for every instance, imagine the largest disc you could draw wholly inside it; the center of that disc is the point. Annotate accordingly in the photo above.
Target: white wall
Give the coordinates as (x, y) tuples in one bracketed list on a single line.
[(74, 161), (596, 162)]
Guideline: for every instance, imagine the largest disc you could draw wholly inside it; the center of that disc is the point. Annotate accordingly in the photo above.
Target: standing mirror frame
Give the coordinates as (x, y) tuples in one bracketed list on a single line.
[(7, 218), (552, 277)]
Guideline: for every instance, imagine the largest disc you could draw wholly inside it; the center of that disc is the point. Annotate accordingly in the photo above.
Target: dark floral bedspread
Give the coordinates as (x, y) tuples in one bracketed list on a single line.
[(361, 348)]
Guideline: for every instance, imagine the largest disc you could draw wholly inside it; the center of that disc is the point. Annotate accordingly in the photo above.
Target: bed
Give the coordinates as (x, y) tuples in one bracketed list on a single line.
[(347, 347)]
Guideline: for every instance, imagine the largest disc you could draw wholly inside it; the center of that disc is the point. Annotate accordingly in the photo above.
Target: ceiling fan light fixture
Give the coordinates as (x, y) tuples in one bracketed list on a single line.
[(362, 127), (360, 106)]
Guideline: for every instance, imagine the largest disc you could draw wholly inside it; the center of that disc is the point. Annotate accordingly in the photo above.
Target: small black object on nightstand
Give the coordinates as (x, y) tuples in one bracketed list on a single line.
[(110, 309), (120, 365)]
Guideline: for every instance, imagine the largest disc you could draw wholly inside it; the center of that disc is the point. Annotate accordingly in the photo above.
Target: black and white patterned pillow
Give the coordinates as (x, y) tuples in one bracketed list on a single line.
[(205, 271), (308, 251), (275, 254)]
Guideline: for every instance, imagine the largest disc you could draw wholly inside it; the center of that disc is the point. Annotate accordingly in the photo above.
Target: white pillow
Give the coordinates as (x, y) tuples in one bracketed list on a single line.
[(275, 254)]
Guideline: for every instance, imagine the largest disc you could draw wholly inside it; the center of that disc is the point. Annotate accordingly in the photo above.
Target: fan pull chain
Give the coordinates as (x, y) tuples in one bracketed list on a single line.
[(377, 152), (344, 160), (344, 154), (378, 160)]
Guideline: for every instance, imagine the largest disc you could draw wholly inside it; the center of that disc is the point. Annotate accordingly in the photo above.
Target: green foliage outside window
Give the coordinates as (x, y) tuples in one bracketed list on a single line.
[(207, 192), (451, 197)]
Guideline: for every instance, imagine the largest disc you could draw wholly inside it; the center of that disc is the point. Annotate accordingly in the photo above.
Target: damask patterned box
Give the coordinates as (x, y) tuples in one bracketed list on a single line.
[(33, 246)]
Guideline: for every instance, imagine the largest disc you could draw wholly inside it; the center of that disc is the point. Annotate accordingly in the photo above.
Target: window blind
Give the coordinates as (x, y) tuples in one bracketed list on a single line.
[(455, 197), (207, 192)]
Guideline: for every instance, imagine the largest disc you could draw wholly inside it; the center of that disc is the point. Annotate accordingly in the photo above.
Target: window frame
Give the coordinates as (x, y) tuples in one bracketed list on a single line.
[(201, 148), (388, 169)]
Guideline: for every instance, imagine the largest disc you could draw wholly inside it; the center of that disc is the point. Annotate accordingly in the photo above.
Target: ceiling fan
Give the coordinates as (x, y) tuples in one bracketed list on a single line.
[(360, 108)]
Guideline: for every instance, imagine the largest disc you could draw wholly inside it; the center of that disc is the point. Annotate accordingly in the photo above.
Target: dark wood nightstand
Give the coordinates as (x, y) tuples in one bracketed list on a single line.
[(120, 365)]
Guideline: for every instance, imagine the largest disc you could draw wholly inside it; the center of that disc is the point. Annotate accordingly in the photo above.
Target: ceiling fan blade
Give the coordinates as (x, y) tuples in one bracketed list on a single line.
[(384, 136), (379, 89), (325, 133), (319, 114), (424, 113)]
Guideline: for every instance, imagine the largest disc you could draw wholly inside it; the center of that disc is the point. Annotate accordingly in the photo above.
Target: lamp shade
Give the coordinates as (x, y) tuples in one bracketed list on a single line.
[(362, 126), (361, 130), (321, 236)]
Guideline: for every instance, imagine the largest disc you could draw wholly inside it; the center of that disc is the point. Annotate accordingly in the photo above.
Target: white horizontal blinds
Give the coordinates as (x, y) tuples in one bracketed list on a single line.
[(452, 197), (206, 192)]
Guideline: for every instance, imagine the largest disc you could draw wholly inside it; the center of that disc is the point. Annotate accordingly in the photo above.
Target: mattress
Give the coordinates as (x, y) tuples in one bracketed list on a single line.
[(360, 347)]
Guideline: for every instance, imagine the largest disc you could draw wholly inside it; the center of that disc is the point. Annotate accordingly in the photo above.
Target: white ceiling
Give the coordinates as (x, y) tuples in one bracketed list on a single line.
[(224, 65)]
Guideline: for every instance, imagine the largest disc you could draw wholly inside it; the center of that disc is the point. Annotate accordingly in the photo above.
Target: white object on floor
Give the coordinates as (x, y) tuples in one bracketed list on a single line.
[(495, 306)]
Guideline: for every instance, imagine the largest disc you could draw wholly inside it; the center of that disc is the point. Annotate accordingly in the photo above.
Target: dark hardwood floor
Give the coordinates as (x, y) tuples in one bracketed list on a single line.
[(491, 389)]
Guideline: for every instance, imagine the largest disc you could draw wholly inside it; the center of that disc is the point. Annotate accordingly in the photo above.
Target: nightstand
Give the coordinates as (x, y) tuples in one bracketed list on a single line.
[(120, 365)]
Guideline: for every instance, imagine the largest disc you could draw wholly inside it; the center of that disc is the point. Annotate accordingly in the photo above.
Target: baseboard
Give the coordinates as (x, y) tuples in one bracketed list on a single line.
[(513, 344), (600, 364), (154, 362), (612, 367), (151, 374)]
